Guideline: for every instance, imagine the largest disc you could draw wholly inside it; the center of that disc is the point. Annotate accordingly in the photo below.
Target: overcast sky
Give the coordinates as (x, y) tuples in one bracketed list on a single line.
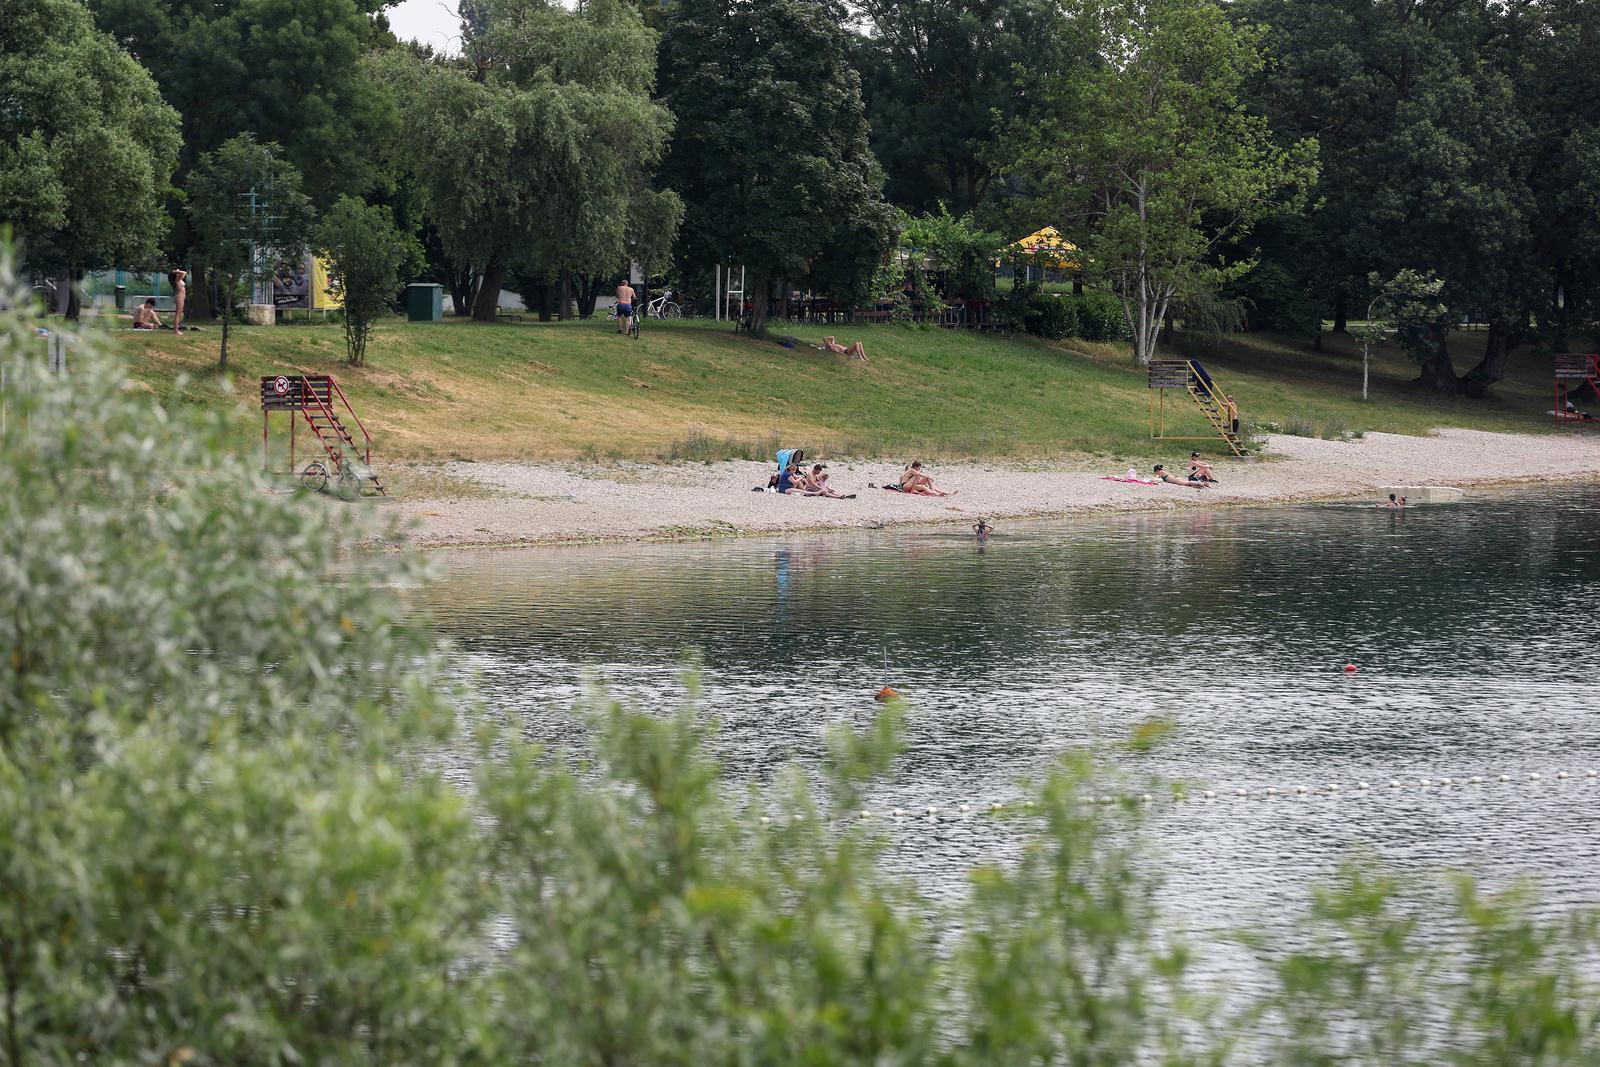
[(429, 21)]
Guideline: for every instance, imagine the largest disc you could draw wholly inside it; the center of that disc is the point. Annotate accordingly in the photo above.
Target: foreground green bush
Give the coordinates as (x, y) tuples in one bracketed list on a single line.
[(244, 821)]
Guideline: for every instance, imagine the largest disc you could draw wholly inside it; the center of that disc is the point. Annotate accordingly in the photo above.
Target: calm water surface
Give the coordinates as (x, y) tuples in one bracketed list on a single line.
[(1474, 625)]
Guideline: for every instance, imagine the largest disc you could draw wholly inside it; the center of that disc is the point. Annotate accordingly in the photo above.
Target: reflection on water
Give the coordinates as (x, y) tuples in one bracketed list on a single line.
[(1474, 627)]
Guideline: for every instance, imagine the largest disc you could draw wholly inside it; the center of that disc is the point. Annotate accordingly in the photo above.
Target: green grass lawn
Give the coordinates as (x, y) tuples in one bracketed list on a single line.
[(695, 390)]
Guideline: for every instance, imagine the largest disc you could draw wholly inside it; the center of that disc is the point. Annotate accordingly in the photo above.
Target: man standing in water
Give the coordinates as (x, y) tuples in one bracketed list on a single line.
[(625, 298), (180, 292)]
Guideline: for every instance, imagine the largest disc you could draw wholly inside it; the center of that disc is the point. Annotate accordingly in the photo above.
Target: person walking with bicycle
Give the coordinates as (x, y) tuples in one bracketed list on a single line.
[(625, 299)]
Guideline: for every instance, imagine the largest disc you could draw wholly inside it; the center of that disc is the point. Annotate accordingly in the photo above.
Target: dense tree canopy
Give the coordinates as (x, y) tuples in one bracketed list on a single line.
[(87, 147), (1147, 156), (771, 154), (935, 74), (534, 153)]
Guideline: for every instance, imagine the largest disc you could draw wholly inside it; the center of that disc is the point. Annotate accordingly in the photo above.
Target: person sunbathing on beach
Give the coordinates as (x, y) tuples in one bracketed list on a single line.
[(856, 351), (817, 481), (792, 482), (1190, 483), (1199, 469), (915, 481)]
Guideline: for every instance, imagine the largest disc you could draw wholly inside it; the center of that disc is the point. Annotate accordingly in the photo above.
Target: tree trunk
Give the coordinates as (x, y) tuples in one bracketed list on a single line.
[(1438, 373), (758, 307), (589, 294), (564, 297), (461, 295), (485, 307), (1341, 317), (64, 294), (197, 303), (1501, 339), (222, 355)]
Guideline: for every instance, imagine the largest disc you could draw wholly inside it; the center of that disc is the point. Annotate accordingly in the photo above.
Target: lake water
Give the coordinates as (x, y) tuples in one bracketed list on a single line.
[(1474, 627)]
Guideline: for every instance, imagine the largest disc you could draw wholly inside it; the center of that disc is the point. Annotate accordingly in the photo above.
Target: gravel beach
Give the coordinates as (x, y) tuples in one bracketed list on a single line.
[(532, 503)]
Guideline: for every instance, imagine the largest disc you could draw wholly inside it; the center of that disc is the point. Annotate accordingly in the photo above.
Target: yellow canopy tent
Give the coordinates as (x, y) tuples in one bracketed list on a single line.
[(1047, 248)]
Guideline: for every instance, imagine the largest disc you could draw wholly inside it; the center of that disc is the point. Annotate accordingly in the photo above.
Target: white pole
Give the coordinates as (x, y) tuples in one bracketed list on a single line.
[(717, 295)]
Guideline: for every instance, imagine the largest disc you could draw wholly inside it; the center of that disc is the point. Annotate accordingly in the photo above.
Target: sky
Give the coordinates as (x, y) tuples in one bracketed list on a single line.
[(429, 21)]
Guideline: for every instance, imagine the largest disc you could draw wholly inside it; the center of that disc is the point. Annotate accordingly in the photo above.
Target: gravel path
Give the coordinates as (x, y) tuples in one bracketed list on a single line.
[(540, 503)]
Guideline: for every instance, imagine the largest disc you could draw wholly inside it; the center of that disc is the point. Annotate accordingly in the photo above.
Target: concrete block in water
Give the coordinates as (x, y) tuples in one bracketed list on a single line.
[(1425, 494)]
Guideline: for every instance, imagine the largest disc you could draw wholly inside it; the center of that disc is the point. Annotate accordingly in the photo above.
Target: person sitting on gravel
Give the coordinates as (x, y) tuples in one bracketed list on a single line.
[(1199, 469), (817, 480), (915, 481), (792, 482), (1190, 483)]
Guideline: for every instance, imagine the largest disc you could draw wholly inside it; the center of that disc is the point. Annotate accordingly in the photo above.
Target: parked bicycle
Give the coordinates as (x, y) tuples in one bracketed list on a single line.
[(663, 307)]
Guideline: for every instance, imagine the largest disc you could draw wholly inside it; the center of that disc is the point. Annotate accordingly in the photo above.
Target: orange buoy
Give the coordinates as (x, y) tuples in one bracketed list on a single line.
[(888, 693)]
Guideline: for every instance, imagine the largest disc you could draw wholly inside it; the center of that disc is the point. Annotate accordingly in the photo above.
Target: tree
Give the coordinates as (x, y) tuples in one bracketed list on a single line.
[(287, 71), (771, 154), (367, 257), (1440, 125), (528, 156), (244, 205), (87, 148), (941, 78), (964, 253), (1148, 154)]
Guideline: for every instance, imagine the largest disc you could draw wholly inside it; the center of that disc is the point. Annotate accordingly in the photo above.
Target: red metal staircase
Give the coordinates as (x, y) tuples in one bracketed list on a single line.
[(317, 400)]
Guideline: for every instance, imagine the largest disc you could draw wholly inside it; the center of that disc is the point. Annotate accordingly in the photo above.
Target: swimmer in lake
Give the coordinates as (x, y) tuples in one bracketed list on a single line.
[(1394, 502), (983, 529)]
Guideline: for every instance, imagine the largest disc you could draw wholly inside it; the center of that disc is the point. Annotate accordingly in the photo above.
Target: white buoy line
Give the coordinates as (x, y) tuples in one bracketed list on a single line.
[(1209, 796)]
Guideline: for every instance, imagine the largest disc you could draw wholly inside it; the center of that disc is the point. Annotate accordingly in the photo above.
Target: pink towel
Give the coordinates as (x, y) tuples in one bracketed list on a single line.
[(1135, 481)]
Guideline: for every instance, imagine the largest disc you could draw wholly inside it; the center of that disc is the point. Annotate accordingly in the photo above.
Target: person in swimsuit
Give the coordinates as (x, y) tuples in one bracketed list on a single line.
[(1199, 469), (1161, 473), (145, 317), (855, 351), (914, 481), (625, 298), (983, 530), (180, 293), (1233, 414)]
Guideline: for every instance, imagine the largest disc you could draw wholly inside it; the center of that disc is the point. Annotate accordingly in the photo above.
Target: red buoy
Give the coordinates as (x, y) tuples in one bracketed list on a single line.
[(1349, 668)]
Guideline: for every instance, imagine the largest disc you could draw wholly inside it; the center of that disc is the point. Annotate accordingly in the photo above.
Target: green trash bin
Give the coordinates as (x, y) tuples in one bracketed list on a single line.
[(425, 302)]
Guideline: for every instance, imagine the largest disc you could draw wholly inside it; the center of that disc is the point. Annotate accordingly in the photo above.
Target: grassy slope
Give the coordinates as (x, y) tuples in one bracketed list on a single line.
[(551, 391)]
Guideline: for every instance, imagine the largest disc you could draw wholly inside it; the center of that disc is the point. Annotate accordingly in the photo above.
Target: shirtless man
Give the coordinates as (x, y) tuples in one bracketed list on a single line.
[(914, 481), (625, 299), (855, 351), (1161, 473), (818, 480), (181, 291), (145, 317)]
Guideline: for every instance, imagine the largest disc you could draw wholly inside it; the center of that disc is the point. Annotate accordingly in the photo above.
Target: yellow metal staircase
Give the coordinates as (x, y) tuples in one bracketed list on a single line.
[(1189, 376)]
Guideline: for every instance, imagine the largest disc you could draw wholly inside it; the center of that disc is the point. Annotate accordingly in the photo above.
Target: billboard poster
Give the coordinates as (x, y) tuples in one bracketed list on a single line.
[(302, 282)]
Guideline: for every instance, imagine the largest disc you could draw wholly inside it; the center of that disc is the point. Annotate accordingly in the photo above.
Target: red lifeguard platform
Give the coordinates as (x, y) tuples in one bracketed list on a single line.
[(317, 400), (1575, 371)]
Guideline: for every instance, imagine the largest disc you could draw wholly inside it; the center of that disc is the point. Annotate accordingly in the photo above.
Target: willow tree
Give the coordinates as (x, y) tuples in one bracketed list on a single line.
[(530, 151), (1147, 155)]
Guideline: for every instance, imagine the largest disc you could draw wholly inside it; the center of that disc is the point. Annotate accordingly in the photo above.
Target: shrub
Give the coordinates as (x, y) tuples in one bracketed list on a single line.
[(366, 255), (1100, 317), (1042, 314)]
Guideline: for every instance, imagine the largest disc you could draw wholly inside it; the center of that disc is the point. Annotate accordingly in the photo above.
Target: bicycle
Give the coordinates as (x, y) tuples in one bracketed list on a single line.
[(663, 307)]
